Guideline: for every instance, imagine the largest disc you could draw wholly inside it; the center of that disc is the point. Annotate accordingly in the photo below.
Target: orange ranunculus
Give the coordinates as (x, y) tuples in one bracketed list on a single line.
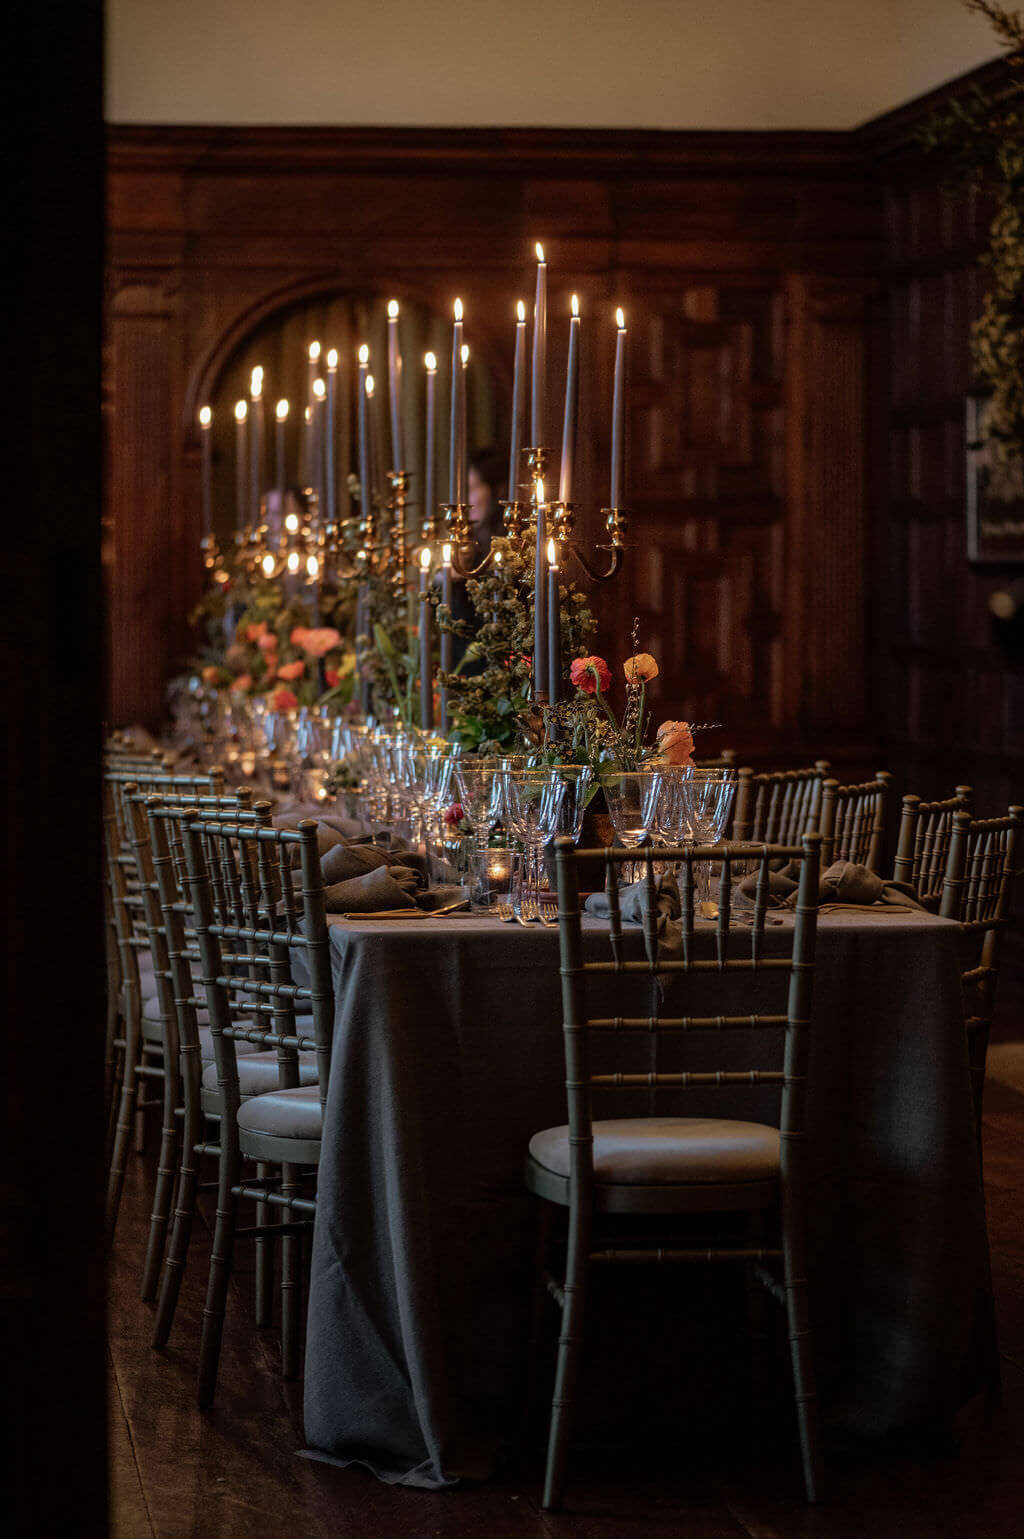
[(211, 674), (267, 643), (291, 670), (587, 672), (675, 742), (254, 632), (244, 681), (642, 666), (332, 677), (317, 643), (298, 635), (282, 700)]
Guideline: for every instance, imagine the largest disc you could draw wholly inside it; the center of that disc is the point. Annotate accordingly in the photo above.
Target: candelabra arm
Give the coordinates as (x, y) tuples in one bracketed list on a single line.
[(460, 568), (614, 566)]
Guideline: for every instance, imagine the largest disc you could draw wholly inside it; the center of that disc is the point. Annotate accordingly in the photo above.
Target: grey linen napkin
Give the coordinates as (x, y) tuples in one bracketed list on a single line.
[(844, 883), (383, 888), (631, 901)]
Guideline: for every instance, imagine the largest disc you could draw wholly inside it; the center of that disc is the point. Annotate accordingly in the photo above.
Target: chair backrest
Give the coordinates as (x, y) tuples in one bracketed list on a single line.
[(977, 890), (923, 843), (249, 919), (853, 821), (708, 956), (725, 760), (780, 806)]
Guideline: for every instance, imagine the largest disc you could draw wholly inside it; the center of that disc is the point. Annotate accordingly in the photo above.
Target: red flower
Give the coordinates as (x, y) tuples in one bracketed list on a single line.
[(283, 700), (298, 636), (675, 742), (453, 814), (332, 676), (244, 681), (589, 672)]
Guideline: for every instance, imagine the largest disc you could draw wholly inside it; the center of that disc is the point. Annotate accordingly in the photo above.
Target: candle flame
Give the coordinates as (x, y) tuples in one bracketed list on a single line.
[(520, 311), (575, 304), (620, 319), (465, 354), (313, 566), (332, 358), (291, 523), (369, 384), (540, 493), (540, 251), (307, 415), (497, 558), (425, 558), (268, 564), (293, 561), (256, 383), (446, 554), (431, 363), (457, 308), (241, 411), (552, 555), (392, 309), (205, 416), (319, 389), (314, 351), (364, 354), (281, 411)]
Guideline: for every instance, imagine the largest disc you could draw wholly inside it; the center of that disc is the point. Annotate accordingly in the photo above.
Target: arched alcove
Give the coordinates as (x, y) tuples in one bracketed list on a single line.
[(279, 343)]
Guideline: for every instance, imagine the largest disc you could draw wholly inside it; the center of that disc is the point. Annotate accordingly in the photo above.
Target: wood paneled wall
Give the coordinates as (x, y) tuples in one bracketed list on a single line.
[(746, 262)]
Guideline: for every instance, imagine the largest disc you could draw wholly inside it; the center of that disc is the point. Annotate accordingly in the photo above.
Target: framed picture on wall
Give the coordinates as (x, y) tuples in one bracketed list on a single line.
[(995, 503)]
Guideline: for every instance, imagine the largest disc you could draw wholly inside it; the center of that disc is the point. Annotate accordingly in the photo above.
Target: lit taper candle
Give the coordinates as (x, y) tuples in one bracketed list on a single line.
[(538, 396), (540, 638), (572, 395), (515, 446), (256, 442), (395, 387), (456, 472), (331, 489), (280, 474), (241, 459), (618, 410), (554, 626), (426, 643), (446, 635), (206, 485), (429, 487), (319, 434), (312, 370), (364, 431)]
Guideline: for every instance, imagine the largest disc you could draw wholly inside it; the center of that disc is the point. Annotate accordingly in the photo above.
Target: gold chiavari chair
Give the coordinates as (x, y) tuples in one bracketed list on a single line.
[(128, 1064), (780, 806), (249, 918), (922, 847), (159, 1028), (853, 821), (977, 891), (161, 846), (671, 1169)]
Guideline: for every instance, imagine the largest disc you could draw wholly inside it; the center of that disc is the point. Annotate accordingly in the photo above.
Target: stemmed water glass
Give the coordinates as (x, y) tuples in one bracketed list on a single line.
[(532, 800), (628, 794), (711, 795), (479, 782)]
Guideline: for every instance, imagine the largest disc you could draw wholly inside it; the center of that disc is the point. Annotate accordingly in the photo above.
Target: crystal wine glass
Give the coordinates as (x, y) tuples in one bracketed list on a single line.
[(628, 794), (532, 801), (711, 798)]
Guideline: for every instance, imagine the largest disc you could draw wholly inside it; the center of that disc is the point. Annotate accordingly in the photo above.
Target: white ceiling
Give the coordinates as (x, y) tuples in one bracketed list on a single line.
[(568, 63)]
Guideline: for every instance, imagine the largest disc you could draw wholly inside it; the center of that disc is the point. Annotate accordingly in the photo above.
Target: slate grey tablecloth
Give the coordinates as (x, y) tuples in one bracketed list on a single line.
[(448, 1056)]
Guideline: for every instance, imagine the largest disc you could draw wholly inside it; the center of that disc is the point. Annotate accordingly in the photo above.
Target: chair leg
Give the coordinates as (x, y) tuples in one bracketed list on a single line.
[(220, 1274), (570, 1352), (139, 1139), (184, 1211), (125, 1109), (538, 1308), (264, 1288), (800, 1347), (163, 1193), (291, 1285)]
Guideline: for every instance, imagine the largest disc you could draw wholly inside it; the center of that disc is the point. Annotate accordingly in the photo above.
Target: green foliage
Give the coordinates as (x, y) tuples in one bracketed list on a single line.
[(979, 140), (493, 709)]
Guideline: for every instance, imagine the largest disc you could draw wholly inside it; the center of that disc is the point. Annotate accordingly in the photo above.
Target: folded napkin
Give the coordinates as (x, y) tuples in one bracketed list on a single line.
[(326, 837), (844, 883), (346, 860), (375, 890), (631, 901)]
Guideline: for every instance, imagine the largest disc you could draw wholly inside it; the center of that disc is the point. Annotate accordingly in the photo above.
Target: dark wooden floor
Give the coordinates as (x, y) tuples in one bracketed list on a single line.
[(234, 1470)]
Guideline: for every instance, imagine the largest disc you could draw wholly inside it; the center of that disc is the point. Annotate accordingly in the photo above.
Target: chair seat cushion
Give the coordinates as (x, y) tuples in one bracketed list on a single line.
[(257, 1072), (668, 1151), (283, 1113)]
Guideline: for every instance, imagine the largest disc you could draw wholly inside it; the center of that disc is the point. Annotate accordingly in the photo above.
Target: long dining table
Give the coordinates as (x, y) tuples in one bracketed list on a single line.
[(448, 1056)]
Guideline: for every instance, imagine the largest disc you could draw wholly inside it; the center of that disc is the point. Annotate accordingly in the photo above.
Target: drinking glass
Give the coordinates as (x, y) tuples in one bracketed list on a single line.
[(532, 801), (711, 798), (628, 794), (479, 783)]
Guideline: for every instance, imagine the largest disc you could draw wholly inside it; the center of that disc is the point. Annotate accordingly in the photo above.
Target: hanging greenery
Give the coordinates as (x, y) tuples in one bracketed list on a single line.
[(980, 141)]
